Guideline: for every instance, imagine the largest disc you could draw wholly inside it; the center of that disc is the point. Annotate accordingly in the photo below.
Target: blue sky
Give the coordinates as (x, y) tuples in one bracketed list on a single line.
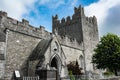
[(40, 12)]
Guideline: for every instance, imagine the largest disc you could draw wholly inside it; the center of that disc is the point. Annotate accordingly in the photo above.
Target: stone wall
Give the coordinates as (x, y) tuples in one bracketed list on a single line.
[(53, 51), (90, 39), (19, 47), (80, 32), (72, 54), (2, 59), (77, 36), (70, 27), (2, 69), (66, 41), (2, 53), (22, 38), (114, 78), (22, 27)]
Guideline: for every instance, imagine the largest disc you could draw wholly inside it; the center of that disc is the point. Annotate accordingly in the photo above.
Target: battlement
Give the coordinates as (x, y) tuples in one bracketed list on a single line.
[(92, 20), (22, 26), (2, 13), (78, 13), (70, 26), (73, 26), (70, 42), (26, 22), (76, 17), (79, 10)]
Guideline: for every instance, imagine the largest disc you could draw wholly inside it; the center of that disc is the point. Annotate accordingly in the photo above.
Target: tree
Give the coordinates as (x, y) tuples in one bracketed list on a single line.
[(107, 53)]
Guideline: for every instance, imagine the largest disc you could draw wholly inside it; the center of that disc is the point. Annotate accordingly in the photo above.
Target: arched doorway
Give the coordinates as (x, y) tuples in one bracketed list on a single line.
[(54, 63)]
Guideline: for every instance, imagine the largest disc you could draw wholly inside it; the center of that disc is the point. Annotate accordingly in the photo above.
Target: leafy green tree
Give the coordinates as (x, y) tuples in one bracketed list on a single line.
[(107, 53)]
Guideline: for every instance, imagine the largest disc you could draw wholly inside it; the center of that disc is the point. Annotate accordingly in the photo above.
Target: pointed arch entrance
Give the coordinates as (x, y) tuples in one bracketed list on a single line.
[(55, 62)]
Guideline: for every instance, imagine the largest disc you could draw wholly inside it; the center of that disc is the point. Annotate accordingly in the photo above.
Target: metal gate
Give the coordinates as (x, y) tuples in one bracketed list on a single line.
[(30, 78)]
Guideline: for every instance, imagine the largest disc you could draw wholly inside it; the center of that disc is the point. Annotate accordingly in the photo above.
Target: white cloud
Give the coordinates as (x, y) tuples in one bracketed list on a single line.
[(16, 8), (101, 10), (74, 2), (43, 1), (52, 3), (56, 4)]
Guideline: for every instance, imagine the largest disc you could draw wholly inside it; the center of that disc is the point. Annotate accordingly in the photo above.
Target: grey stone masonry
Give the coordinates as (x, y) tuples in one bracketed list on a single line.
[(22, 27), (25, 48), (79, 32)]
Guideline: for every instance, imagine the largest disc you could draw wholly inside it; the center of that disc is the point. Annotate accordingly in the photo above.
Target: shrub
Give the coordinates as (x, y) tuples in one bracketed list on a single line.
[(108, 73), (74, 68)]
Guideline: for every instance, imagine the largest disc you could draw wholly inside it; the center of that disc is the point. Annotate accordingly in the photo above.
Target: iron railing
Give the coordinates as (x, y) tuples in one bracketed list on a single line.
[(30, 78)]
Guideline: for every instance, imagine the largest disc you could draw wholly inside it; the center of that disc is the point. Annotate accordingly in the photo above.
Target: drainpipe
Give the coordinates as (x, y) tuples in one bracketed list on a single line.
[(5, 51)]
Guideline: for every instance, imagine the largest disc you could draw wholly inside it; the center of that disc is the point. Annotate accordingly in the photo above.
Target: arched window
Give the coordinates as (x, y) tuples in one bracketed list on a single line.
[(81, 62)]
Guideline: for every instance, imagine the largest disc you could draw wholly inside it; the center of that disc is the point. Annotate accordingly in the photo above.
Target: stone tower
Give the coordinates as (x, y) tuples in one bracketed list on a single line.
[(79, 32)]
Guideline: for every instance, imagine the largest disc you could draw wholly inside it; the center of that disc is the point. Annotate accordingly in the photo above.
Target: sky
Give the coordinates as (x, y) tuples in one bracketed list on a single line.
[(40, 12)]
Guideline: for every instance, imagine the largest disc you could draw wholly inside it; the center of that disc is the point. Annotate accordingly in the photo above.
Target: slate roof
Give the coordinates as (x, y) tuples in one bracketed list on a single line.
[(39, 51)]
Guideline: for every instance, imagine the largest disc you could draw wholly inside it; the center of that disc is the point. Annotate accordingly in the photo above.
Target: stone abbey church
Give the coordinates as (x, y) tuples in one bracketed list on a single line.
[(34, 51)]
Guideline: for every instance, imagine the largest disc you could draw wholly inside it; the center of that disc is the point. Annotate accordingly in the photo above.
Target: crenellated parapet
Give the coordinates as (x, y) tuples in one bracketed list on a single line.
[(69, 26), (69, 42), (92, 20), (78, 13), (75, 27), (91, 27), (76, 17), (2, 13), (22, 26)]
